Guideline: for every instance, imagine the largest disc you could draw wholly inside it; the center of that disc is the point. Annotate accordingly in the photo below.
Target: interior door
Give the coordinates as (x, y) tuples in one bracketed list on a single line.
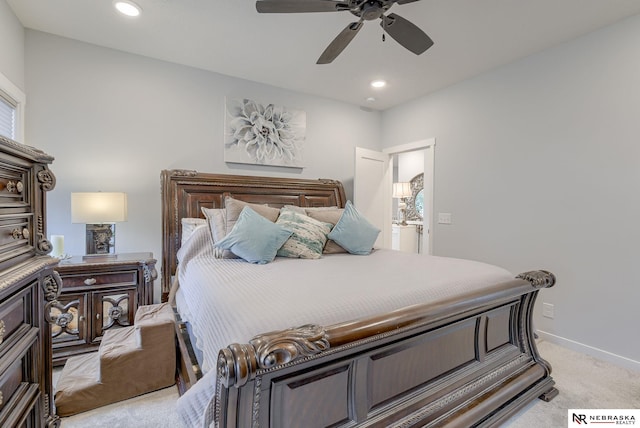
[(372, 191)]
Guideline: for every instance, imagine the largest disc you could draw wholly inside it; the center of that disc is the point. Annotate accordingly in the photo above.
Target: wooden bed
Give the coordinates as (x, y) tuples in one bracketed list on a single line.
[(471, 361)]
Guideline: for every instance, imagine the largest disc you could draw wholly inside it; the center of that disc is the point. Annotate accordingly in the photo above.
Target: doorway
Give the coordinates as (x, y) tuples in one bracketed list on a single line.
[(365, 192)]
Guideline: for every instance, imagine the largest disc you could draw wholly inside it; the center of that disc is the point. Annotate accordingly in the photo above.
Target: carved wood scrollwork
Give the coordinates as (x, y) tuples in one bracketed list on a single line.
[(52, 421), (539, 278), (47, 182), (43, 246), (150, 274), (51, 286), (47, 179), (184, 173), (285, 346), (238, 363), (117, 312)]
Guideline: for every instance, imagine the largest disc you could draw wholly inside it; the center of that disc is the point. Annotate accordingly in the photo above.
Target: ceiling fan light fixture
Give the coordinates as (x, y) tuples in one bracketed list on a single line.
[(378, 84), (128, 8)]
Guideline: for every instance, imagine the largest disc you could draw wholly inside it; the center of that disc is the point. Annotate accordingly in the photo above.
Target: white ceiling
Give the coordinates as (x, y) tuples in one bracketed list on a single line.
[(230, 37)]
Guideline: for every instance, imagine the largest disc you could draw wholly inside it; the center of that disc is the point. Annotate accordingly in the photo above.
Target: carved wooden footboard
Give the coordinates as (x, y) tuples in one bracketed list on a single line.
[(471, 361)]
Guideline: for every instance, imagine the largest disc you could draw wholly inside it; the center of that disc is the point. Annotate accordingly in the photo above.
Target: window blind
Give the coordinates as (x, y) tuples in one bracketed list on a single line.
[(7, 117)]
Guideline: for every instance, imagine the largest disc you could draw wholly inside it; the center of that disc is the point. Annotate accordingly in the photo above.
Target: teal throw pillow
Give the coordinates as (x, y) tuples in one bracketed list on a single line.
[(353, 232), (254, 238)]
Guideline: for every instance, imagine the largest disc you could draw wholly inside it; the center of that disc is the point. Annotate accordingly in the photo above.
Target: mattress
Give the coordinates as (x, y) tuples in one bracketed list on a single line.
[(230, 301)]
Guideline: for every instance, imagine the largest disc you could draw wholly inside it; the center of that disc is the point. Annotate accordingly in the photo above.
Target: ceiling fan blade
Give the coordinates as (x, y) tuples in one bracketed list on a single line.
[(405, 1), (296, 6), (339, 43), (406, 33)]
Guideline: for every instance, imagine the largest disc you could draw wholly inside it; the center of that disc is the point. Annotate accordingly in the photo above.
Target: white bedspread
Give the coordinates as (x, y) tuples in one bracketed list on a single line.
[(217, 294)]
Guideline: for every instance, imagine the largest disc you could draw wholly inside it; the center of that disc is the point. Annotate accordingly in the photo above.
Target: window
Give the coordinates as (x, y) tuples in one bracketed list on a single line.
[(12, 102), (7, 117)]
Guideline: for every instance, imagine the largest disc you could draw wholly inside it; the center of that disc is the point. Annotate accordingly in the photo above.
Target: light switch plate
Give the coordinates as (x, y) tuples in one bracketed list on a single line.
[(444, 218)]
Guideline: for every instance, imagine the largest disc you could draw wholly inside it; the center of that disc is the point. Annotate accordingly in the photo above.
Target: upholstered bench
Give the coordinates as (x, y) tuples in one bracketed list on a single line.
[(130, 361)]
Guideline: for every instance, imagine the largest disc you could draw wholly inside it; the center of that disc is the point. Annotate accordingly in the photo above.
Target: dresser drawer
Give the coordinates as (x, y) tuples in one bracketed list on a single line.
[(20, 396), (116, 278), (20, 358), (14, 184), (18, 369), (16, 236), (16, 318)]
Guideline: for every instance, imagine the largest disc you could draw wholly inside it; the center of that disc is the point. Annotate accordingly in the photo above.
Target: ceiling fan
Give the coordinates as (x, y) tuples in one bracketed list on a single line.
[(401, 30)]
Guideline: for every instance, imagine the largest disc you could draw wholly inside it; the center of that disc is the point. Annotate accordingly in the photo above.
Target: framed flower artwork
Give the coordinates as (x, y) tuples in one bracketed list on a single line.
[(261, 134)]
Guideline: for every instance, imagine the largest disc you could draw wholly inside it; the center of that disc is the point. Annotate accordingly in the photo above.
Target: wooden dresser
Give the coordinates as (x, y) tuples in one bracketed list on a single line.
[(98, 293), (28, 286)]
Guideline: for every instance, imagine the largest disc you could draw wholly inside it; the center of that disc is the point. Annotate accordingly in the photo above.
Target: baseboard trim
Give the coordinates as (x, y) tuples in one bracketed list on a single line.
[(618, 360)]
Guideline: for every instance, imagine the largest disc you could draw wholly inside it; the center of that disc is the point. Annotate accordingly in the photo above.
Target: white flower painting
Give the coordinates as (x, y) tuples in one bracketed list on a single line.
[(263, 134)]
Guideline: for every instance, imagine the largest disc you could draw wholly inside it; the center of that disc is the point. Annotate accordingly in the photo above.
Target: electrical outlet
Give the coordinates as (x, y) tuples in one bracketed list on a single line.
[(444, 218), (547, 310)]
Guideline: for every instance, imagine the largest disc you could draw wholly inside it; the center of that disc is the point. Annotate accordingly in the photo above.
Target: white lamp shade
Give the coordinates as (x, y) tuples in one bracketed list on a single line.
[(98, 207), (401, 190)]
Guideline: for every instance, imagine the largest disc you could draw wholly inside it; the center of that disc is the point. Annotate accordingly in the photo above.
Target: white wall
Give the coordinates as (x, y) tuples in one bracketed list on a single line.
[(539, 163), (11, 46), (410, 164), (113, 121)]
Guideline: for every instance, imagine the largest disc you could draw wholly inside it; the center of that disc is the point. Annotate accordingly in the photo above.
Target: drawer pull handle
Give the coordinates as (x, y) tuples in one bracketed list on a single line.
[(15, 187), (3, 330), (97, 316), (20, 234), (90, 281)]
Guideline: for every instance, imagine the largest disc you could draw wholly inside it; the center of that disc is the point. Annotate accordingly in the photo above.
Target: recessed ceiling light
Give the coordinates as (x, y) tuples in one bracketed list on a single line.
[(378, 83), (127, 7), (370, 99)]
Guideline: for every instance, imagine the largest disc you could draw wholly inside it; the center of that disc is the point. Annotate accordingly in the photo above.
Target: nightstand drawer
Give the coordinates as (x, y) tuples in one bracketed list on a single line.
[(118, 278)]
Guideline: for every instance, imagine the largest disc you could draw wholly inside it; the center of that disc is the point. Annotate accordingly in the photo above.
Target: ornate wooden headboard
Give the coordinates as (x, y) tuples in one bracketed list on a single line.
[(185, 192)]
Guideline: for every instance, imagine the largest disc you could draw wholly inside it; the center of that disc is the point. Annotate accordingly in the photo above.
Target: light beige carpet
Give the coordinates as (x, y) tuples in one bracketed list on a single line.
[(155, 409), (584, 383)]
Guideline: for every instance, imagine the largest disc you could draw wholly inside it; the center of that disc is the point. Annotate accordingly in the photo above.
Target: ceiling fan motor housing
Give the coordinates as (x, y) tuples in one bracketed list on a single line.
[(371, 10)]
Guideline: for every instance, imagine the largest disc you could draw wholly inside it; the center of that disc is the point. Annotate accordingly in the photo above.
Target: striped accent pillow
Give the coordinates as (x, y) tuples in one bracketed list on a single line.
[(308, 237)]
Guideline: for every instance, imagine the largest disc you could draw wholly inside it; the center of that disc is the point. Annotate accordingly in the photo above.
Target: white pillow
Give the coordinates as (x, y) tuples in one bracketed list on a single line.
[(234, 207), (188, 226), (217, 220)]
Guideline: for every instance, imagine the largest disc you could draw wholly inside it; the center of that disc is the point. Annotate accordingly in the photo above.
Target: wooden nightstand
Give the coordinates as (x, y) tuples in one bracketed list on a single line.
[(98, 293)]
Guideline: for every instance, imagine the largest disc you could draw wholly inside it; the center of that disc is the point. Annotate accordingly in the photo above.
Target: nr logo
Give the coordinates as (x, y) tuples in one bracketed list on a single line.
[(580, 419)]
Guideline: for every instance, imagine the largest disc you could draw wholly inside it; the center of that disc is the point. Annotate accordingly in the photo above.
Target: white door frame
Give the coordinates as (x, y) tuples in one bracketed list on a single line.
[(429, 165)]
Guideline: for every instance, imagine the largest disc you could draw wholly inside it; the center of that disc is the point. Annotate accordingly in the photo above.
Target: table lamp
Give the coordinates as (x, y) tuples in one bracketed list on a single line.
[(99, 211), (402, 190)]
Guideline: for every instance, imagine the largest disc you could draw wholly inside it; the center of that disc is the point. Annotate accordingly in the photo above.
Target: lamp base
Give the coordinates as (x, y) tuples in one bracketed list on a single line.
[(101, 239), (402, 211)]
